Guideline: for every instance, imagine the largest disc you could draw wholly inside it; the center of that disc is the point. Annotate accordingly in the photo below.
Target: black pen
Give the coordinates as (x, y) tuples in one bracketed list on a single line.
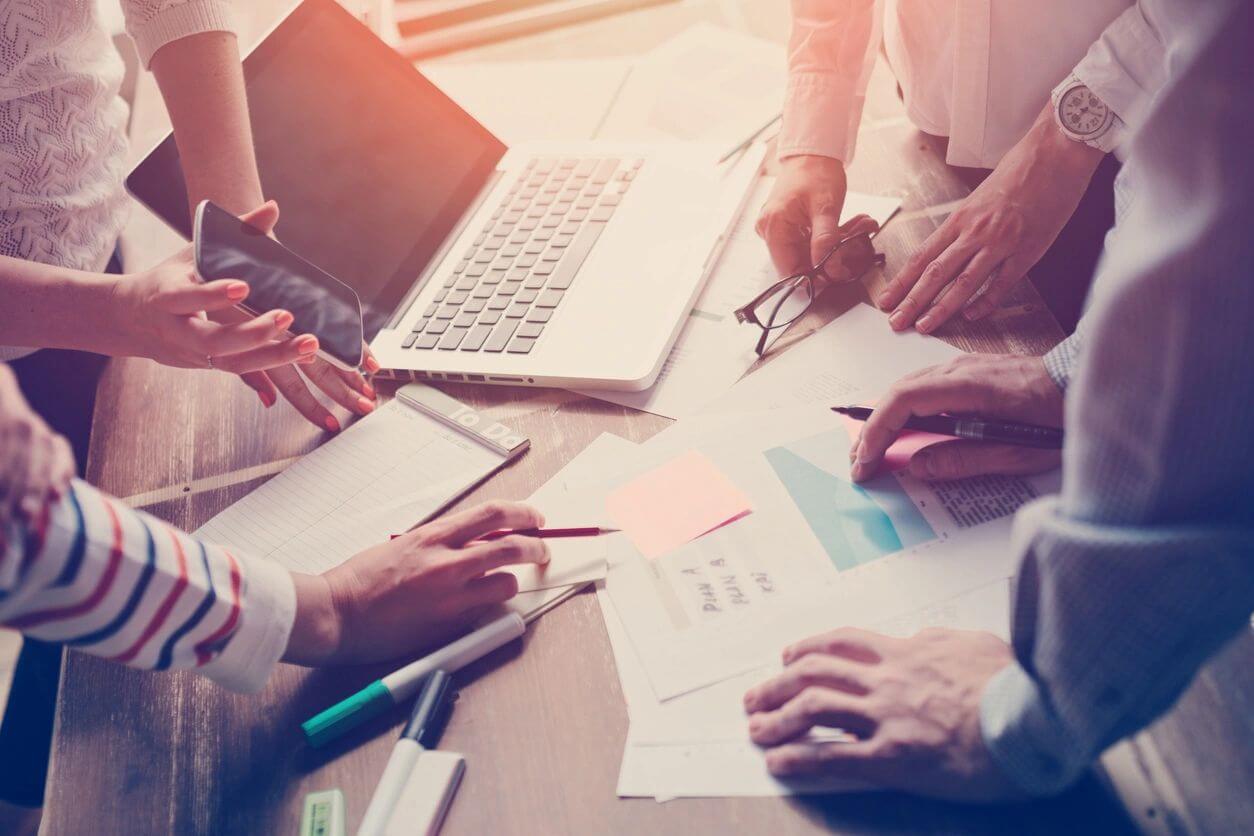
[(431, 710), (975, 429)]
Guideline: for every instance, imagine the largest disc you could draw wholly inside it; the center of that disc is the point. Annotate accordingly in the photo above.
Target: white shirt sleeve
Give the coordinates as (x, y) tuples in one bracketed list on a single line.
[(1126, 66), (830, 55), (155, 23)]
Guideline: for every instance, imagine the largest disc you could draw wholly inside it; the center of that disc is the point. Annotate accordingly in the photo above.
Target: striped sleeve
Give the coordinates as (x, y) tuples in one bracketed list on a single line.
[(92, 574)]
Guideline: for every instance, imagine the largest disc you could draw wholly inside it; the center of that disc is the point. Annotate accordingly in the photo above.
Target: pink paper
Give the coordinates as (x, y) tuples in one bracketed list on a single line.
[(677, 502), (899, 453)]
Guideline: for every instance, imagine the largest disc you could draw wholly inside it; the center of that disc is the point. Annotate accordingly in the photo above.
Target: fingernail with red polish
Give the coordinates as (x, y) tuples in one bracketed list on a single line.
[(282, 320), (372, 365), (307, 345), (266, 398), (331, 424), (369, 390), (236, 291), (364, 406)]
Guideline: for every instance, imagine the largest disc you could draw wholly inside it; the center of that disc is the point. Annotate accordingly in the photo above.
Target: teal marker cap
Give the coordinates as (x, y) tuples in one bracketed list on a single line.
[(347, 714)]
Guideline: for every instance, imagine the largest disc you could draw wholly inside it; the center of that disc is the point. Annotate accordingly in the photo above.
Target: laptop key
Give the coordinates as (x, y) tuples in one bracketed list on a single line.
[(452, 339), (526, 260), (518, 274), (534, 247), (568, 163), (531, 330), (430, 311), (527, 224), (500, 336), (571, 228), (447, 311), (509, 288), (516, 311), (534, 282), (577, 215), (475, 339), (549, 298), (561, 240), (456, 297), (436, 327), (410, 340), (477, 269), (610, 200), (520, 345), (420, 324), (511, 250), (575, 255), (543, 234), (526, 296), (489, 317), (466, 283), (474, 305), (494, 277), (540, 315), (585, 202), (602, 213), (464, 320), (585, 167), (427, 341), (439, 296), (483, 291), (604, 171), (552, 254), (544, 268), (496, 303), (484, 256)]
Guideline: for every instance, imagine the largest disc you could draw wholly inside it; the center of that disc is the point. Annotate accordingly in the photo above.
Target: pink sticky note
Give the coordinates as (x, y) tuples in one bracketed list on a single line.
[(899, 453), (677, 502)]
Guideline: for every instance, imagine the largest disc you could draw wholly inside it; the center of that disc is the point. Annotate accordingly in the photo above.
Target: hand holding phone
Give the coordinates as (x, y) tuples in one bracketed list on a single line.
[(226, 247)]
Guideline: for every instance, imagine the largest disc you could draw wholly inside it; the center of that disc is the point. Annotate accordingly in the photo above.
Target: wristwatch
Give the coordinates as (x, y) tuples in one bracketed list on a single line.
[(1083, 117)]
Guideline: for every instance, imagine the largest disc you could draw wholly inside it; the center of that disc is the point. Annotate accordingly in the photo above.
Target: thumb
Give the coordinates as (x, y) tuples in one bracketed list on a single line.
[(825, 232), (264, 217), (961, 459)]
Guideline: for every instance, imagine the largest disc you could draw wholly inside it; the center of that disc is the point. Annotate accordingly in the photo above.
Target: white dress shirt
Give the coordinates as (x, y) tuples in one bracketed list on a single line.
[(974, 71)]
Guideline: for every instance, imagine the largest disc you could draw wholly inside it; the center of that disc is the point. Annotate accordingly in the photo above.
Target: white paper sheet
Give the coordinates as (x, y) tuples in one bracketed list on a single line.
[(707, 84), (527, 101), (379, 477), (714, 350), (856, 356), (565, 504)]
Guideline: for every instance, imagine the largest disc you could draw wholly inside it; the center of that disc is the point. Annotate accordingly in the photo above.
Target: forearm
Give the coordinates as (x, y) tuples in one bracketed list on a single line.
[(93, 574), (54, 307), (830, 54), (202, 82)]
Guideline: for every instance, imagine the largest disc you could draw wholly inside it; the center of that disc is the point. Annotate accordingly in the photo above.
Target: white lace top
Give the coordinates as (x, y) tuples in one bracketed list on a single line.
[(63, 126)]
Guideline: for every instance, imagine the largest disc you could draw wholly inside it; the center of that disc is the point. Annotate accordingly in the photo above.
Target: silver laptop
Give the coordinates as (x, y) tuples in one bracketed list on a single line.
[(571, 264)]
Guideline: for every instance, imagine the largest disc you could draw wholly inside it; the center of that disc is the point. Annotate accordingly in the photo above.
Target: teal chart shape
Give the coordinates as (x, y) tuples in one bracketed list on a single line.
[(855, 523)]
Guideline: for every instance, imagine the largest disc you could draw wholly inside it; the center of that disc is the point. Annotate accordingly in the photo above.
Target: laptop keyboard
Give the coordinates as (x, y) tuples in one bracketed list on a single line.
[(510, 282)]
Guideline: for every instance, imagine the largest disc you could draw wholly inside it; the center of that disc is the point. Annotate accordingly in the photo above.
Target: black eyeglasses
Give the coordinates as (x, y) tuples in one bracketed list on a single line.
[(783, 303)]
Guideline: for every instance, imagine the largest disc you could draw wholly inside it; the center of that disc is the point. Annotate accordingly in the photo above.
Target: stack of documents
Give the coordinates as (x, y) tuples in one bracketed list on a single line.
[(743, 533)]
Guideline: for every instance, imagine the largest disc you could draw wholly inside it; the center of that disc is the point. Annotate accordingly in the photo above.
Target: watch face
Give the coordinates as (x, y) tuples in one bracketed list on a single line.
[(1083, 113)]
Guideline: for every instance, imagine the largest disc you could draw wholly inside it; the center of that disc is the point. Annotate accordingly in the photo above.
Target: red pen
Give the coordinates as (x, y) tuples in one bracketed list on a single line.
[(546, 533)]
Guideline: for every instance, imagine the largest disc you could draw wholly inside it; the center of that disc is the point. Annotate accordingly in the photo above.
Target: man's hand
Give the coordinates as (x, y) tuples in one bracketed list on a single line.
[(913, 706), (999, 232), (36, 464), (1005, 386), (415, 592), (800, 221)]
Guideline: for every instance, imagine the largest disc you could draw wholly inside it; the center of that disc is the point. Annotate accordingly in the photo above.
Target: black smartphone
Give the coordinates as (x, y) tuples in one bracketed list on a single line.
[(227, 248)]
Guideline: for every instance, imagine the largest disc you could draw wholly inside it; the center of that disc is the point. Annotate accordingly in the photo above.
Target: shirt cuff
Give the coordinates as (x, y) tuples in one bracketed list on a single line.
[(820, 117), (1061, 360), (268, 611), (1025, 738), (176, 22)]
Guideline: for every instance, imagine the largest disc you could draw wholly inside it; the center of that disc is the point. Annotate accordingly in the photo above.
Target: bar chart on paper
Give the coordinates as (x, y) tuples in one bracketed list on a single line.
[(854, 523)]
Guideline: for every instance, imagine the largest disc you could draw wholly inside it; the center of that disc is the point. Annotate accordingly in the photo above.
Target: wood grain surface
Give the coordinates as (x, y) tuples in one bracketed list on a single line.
[(541, 722)]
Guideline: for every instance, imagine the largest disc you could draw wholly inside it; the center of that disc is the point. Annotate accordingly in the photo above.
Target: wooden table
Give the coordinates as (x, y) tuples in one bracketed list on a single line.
[(541, 723)]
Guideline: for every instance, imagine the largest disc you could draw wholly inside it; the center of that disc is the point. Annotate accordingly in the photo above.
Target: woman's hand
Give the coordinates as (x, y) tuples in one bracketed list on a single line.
[(996, 235), (415, 592), (1003, 386), (162, 314), (36, 464), (349, 389)]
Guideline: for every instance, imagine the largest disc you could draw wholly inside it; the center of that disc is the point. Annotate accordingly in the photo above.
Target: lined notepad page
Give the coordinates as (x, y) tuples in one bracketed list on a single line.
[(377, 478)]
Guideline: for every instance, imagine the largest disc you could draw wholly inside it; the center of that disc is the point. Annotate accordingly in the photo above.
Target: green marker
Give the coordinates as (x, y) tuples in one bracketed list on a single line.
[(382, 694)]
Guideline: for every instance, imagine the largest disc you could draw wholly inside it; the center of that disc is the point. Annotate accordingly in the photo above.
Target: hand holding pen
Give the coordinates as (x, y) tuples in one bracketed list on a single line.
[(1008, 392)]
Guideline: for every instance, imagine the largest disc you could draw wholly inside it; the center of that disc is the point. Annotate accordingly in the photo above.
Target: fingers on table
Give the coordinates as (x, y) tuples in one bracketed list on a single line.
[(813, 670), (336, 385), (847, 642), (293, 388), (1009, 274), (899, 285), (959, 459), (481, 558), (933, 278), (967, 283), (260, 383)]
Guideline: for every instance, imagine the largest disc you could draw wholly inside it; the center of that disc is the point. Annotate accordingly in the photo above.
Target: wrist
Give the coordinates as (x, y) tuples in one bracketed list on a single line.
[(317, 629), (1063, 152)]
